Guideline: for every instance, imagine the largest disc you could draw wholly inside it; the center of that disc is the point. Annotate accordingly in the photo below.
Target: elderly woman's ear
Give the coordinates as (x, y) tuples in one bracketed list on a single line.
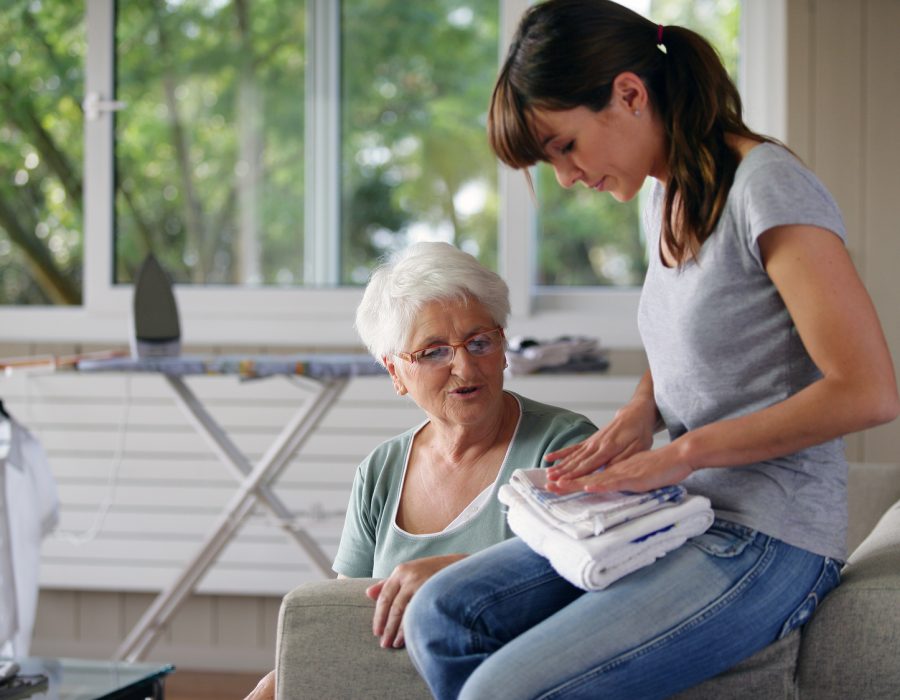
[(399, 386)]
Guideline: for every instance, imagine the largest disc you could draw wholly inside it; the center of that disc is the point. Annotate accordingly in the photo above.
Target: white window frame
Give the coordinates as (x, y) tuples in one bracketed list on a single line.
[(323, 317)]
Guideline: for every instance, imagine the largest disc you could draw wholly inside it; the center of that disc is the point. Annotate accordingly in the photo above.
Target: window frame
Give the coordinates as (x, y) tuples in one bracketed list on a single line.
[(323, 317)]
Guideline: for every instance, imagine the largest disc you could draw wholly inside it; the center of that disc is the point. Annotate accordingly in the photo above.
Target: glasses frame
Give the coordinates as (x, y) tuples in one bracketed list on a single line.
[(413, 357)]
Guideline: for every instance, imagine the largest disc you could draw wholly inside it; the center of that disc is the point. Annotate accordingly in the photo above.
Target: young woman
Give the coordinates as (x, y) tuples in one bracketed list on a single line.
[(764, 349)]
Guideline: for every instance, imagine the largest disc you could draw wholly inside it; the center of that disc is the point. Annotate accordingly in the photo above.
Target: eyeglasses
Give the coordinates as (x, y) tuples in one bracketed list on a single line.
[(479, 345)]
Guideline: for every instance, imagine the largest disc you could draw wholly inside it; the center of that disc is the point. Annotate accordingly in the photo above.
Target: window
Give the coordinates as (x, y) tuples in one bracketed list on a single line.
[(271, 152), (209, 140), (210, 156)]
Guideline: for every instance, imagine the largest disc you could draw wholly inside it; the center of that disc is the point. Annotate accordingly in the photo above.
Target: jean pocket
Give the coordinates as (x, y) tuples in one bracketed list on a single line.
[(724, 539), (829, 578)]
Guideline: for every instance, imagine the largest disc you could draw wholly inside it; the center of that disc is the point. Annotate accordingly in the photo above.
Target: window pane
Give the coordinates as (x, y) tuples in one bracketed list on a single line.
[(415, 159), (586, 238), (209, 150), (42, 69)]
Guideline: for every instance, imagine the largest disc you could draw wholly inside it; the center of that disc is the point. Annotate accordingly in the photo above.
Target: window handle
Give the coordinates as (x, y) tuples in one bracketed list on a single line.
[(93, 106)]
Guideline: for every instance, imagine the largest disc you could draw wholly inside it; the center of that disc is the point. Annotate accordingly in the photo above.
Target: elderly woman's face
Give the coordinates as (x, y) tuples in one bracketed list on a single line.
[(470, 386)]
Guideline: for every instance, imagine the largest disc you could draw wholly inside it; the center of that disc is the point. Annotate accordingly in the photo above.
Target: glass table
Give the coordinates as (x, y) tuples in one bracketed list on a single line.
[(82, 679)]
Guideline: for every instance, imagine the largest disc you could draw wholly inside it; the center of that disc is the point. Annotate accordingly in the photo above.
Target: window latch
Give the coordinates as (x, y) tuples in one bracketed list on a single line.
[(94, 106)]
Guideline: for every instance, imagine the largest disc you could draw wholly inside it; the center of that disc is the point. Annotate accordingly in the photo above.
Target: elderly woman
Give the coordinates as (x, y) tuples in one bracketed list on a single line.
[(434, 317)]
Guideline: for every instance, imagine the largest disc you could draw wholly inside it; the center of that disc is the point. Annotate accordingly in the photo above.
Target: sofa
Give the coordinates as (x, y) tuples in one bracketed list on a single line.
[(850, 648)]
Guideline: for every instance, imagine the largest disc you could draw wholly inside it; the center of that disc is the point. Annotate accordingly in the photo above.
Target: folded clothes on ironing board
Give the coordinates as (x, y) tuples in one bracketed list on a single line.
[(593, 563), (582, 514)]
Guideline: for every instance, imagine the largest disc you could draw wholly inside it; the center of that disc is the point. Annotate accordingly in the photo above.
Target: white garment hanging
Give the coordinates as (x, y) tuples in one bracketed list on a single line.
[(29, 510)]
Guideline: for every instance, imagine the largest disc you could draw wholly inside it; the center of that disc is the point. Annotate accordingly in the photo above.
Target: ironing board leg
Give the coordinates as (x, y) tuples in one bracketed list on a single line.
[(291, 438), (229, 454)]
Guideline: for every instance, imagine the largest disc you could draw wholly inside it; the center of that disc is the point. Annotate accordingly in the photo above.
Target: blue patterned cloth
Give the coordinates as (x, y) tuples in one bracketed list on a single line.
[(581, 514)]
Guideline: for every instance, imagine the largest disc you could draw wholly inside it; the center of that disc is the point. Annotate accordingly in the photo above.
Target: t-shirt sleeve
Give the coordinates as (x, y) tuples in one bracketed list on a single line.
[(356, 551), (782, 193)]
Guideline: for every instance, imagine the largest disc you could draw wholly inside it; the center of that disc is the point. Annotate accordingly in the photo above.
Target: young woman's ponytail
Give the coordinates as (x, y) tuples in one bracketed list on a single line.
[(699, 105)]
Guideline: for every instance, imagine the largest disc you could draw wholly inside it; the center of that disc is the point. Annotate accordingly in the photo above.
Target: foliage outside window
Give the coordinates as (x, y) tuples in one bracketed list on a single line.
[(209, 148), (416, 163), (42, 48), (210, 153)]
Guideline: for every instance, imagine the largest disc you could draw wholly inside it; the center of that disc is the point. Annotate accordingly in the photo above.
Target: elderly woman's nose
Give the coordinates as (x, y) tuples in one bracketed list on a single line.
[(462, 359)]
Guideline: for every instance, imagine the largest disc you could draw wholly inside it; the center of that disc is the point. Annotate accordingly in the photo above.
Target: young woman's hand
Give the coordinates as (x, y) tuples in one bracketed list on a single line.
[(630, 432), (642, 471), (393, 594)]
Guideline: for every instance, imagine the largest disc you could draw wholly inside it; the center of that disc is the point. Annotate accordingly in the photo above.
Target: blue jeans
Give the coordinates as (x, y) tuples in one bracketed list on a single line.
[(503, 624)]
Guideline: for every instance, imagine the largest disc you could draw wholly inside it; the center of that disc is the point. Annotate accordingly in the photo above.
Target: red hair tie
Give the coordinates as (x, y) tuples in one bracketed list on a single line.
[(659, 33)]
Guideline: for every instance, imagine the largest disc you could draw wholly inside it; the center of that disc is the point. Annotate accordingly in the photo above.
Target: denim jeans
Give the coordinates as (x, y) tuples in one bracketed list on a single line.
[(503, 624)]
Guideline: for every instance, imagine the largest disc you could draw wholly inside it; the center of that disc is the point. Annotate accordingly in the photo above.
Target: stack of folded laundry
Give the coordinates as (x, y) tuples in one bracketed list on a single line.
[(593, 539), (564, 354)]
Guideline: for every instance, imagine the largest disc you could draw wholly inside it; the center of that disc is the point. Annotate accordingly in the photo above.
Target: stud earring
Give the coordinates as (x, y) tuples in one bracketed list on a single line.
[(637, 112)]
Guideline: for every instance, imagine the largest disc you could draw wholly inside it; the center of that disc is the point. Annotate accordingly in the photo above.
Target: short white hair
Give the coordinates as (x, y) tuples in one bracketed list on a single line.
[(417, 275)]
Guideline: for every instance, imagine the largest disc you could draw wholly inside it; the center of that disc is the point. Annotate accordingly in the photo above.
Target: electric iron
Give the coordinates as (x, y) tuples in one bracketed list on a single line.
[(156, 330)]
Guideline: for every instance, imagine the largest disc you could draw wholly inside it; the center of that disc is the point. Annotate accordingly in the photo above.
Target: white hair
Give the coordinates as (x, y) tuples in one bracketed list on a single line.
[(419, 274)]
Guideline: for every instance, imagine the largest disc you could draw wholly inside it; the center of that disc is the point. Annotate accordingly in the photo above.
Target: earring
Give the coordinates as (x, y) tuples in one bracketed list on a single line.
[(637, 112)]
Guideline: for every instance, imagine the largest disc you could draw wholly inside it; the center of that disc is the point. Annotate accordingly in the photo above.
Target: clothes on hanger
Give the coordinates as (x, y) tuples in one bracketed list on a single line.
[(29, 510)]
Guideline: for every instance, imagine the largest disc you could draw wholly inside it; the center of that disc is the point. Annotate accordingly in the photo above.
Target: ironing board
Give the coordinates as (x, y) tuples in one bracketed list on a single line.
[(328, 375)]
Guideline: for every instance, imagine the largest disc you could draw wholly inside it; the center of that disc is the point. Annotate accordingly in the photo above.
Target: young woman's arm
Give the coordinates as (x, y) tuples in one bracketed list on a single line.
[(837, 323)]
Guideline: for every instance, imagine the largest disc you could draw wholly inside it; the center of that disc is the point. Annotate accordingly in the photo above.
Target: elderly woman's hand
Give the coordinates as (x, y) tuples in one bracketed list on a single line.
[(393, 594), (630, 432), (265, 689)]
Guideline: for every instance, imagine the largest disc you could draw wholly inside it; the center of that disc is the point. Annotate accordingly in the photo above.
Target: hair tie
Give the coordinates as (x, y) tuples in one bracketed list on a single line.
[(659, 35)]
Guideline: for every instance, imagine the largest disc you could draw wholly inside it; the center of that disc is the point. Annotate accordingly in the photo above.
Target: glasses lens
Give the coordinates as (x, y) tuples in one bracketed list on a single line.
[(483, 343), (436, 356)]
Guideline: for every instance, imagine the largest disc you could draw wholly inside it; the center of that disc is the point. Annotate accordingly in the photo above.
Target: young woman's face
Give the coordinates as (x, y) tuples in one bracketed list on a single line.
[(613, 150)]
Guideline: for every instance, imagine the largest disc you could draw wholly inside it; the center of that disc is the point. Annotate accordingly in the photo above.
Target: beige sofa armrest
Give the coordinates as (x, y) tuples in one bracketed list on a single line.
[(326, 648), (851, 647)]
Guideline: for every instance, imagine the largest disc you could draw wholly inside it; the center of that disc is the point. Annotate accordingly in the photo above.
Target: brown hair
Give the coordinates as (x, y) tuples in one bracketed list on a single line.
[(567, 53)]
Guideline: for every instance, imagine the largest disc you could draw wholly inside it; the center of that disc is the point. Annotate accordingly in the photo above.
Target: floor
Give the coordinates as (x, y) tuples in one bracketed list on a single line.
[(201, 685)]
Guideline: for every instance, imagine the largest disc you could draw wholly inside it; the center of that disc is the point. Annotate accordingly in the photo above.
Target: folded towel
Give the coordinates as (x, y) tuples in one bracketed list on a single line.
[(593, 563), (583, 514)]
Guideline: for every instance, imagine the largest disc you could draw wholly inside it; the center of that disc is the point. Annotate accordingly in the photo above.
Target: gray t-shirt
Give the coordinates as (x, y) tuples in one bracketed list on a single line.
[(372, 544), (721, 344)]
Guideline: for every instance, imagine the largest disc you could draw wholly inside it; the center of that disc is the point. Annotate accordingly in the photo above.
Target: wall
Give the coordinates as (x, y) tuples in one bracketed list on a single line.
[(843, 101)]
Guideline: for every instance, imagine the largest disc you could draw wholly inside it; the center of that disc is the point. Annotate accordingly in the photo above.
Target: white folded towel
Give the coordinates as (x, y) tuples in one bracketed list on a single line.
[(593, 563), (583, 514)]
